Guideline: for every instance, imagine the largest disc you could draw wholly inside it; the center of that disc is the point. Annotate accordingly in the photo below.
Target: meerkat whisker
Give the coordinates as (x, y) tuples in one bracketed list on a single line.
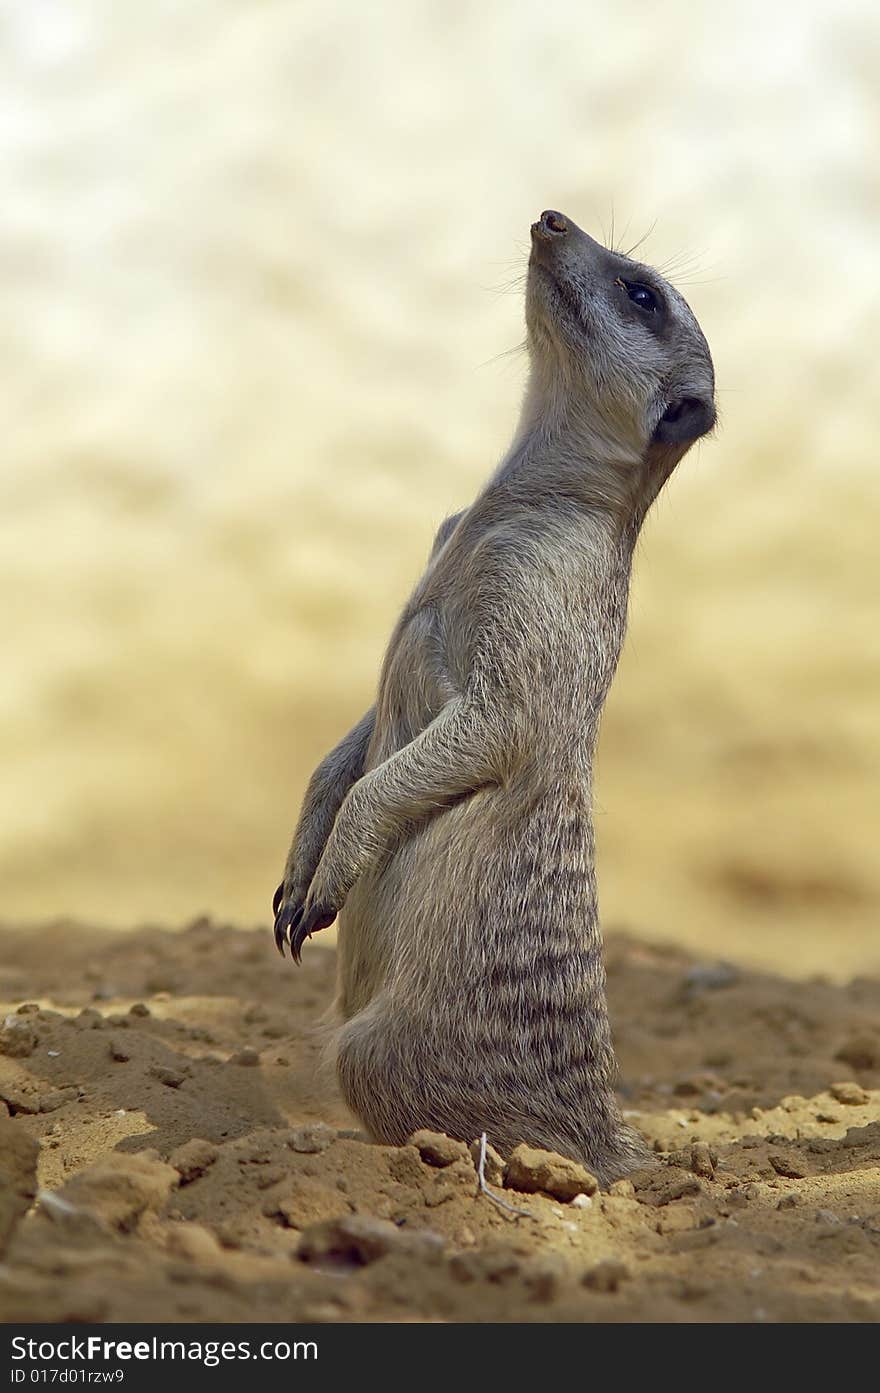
[(644, 237)]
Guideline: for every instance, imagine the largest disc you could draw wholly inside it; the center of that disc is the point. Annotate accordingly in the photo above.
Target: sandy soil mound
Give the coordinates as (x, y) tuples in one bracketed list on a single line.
[(194, 1165)]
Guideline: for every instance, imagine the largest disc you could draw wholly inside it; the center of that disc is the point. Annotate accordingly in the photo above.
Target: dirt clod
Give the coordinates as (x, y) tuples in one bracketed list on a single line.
[(18, 1037), (193, 1158), (438, 1149), (119, 1189), (18, 1177), (530, 1170), (848, 1092), (358, 1240), (788, 1164), (171, 1077), (703, 1159)]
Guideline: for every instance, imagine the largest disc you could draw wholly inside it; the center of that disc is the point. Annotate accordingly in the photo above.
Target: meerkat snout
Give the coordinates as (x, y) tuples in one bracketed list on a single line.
[(549, 225), (621, 339)]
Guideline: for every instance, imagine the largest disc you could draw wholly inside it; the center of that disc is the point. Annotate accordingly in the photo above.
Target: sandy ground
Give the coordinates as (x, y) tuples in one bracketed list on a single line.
[(760, 1095)]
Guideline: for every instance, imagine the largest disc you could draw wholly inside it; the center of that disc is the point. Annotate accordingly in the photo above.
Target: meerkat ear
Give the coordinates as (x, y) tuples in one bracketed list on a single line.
[(685, 420)]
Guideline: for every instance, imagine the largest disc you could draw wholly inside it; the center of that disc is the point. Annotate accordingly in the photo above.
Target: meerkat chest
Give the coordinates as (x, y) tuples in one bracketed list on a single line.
[(552, 609)]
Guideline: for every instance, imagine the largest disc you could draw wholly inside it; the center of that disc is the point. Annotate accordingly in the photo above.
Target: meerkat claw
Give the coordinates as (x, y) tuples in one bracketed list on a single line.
[(307, 924), (277, 898), (285, 922)]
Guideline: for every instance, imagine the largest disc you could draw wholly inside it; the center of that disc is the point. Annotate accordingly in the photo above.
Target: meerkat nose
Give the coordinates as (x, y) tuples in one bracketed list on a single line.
[(550, 225)]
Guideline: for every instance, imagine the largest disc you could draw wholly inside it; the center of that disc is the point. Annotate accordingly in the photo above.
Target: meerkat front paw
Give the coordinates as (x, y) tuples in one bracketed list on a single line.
[(295, 922), (304, 906), (311, 920)]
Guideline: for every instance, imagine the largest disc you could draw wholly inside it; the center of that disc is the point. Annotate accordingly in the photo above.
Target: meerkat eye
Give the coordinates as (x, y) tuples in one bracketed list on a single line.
[(640, 295)]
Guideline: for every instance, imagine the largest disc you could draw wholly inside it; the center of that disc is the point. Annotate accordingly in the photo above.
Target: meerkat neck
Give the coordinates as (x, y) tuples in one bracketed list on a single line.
[(563, 451)]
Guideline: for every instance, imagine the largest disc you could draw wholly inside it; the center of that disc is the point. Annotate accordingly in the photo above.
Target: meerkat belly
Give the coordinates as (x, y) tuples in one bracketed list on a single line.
[(501, 882), (489, 905), (397, 910)]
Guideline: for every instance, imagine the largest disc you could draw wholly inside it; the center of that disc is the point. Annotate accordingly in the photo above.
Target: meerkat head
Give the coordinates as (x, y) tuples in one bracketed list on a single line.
[(615, 347)]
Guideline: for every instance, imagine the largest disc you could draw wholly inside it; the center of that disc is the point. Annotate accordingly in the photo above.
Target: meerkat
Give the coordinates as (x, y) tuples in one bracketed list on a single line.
[(451, 829)]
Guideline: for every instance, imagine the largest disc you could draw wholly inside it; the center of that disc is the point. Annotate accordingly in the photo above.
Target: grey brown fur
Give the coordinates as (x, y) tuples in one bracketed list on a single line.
[(451, 830)]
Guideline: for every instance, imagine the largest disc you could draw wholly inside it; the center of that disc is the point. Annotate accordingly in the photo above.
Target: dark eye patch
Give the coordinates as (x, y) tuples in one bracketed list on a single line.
[(641, 295)]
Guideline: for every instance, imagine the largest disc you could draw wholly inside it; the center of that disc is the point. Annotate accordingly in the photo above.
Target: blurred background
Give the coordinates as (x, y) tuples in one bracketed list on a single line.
[(259, 267)]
